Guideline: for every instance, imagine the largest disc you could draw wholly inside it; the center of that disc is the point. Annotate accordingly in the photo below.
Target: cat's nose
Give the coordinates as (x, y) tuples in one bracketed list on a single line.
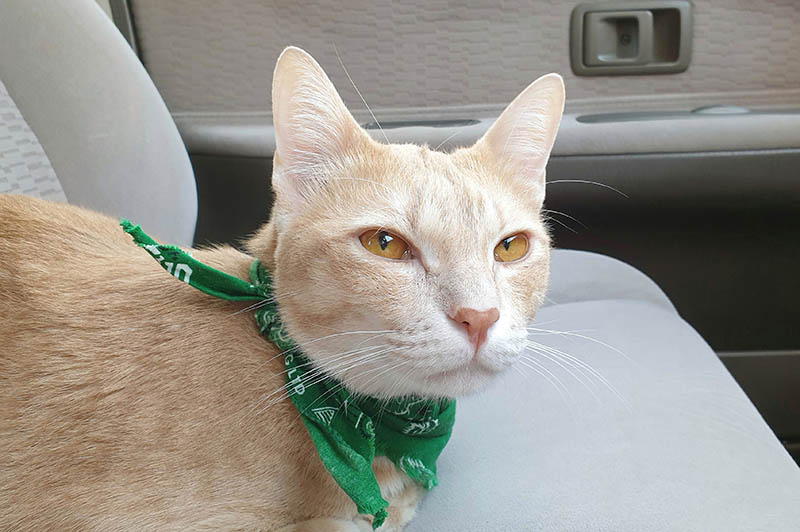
[(476, 322)]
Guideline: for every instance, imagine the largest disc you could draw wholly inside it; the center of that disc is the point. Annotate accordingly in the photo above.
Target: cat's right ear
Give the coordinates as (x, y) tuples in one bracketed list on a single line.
[(313, 128), (522, 137)]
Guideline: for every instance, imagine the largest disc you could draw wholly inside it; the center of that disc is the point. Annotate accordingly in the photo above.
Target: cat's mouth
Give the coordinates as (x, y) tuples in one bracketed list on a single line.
[(471, 369)]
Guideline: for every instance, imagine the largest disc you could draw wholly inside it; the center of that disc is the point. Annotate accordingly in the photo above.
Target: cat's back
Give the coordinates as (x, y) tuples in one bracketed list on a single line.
[(62, 266), (36, 232), (50, 257)]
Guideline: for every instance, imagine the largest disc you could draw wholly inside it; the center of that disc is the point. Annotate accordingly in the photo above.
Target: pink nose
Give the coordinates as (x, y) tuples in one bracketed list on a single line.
[(477, 323)]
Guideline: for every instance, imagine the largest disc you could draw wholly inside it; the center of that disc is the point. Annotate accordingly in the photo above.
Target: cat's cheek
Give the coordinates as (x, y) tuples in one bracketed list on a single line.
[(529, 288)]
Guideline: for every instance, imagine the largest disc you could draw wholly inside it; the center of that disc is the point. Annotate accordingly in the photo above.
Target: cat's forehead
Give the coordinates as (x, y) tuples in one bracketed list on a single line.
[(444, 193), (437, 195), (463, 184)]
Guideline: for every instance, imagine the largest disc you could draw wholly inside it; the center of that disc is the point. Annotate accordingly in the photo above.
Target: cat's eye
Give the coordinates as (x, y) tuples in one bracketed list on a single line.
[(385, 244), (511, 248)]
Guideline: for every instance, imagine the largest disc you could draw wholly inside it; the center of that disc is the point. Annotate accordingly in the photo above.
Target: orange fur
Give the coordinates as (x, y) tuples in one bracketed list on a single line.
[(130, 401)]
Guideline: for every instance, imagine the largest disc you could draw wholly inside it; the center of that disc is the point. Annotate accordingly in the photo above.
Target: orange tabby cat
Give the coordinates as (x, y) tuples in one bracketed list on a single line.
[(130, 401)]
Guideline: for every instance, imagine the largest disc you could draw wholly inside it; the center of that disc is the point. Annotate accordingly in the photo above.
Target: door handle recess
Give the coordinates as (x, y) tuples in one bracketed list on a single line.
[(617, 38)]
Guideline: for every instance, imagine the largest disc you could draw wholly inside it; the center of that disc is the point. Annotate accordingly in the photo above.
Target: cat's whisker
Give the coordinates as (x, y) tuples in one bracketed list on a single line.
[(334, 370), (328, 393), (272, 299), (382, 371), (336, 388), (575, 334), (390, 393), (559, 356), (525, 361), (587, 182), (516, 368), (308, 377), (539, 330), (319, 373), (562, 224), (326, 370), (347, 333), (448, 139), (334, 329), (329, 336), (526, 357), (530, 360), (253, 306), (350, 368), (577, 376), (334, 358), (288, 393), (567, 216), (548, 375), (548, 322), (359, 94), (578, 363), (340, 385), (397, 364)]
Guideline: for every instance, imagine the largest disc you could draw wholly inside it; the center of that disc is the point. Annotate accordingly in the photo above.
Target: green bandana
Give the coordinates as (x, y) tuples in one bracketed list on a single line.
[(347, 430)]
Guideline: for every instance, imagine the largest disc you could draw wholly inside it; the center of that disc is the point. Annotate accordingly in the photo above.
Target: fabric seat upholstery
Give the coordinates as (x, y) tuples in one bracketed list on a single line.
[(97, 115)]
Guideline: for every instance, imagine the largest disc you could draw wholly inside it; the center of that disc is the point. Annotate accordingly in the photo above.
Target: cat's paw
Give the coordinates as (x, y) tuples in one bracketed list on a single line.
[(402, 507)]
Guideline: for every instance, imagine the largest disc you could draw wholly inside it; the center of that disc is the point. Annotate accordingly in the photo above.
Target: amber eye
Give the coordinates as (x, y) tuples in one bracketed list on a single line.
[(385, 244), (511, 248)]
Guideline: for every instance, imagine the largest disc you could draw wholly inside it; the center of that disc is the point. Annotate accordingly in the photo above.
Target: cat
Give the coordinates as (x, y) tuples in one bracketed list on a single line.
[(130, 401)]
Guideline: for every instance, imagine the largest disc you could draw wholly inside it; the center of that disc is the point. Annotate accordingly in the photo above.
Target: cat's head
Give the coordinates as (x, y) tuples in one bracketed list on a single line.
[(401, 270)]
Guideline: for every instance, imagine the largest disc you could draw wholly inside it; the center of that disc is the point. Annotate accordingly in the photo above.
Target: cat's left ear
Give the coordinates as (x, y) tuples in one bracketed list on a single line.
[(522, 138)]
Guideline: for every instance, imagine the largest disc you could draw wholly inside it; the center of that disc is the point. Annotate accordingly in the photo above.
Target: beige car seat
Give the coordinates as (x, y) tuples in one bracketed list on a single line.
[(81, 121)]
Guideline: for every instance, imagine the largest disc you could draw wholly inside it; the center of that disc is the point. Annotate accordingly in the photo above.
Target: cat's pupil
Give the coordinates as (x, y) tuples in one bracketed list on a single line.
[(384, 239), (507, 242)]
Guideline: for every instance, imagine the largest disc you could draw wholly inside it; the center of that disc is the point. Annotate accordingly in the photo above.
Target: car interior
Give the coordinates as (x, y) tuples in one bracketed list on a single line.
[(673, 198)]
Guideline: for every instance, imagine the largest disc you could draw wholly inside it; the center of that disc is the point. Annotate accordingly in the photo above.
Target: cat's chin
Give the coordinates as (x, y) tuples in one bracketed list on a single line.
[(457, 382)]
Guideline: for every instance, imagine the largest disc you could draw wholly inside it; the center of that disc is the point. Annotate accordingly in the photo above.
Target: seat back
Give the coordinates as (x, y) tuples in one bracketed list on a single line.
[(78, 104)]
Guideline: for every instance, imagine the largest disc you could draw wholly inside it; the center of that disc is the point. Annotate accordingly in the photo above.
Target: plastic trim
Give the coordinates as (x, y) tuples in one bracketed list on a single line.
[(252, 135), (123, 19)]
